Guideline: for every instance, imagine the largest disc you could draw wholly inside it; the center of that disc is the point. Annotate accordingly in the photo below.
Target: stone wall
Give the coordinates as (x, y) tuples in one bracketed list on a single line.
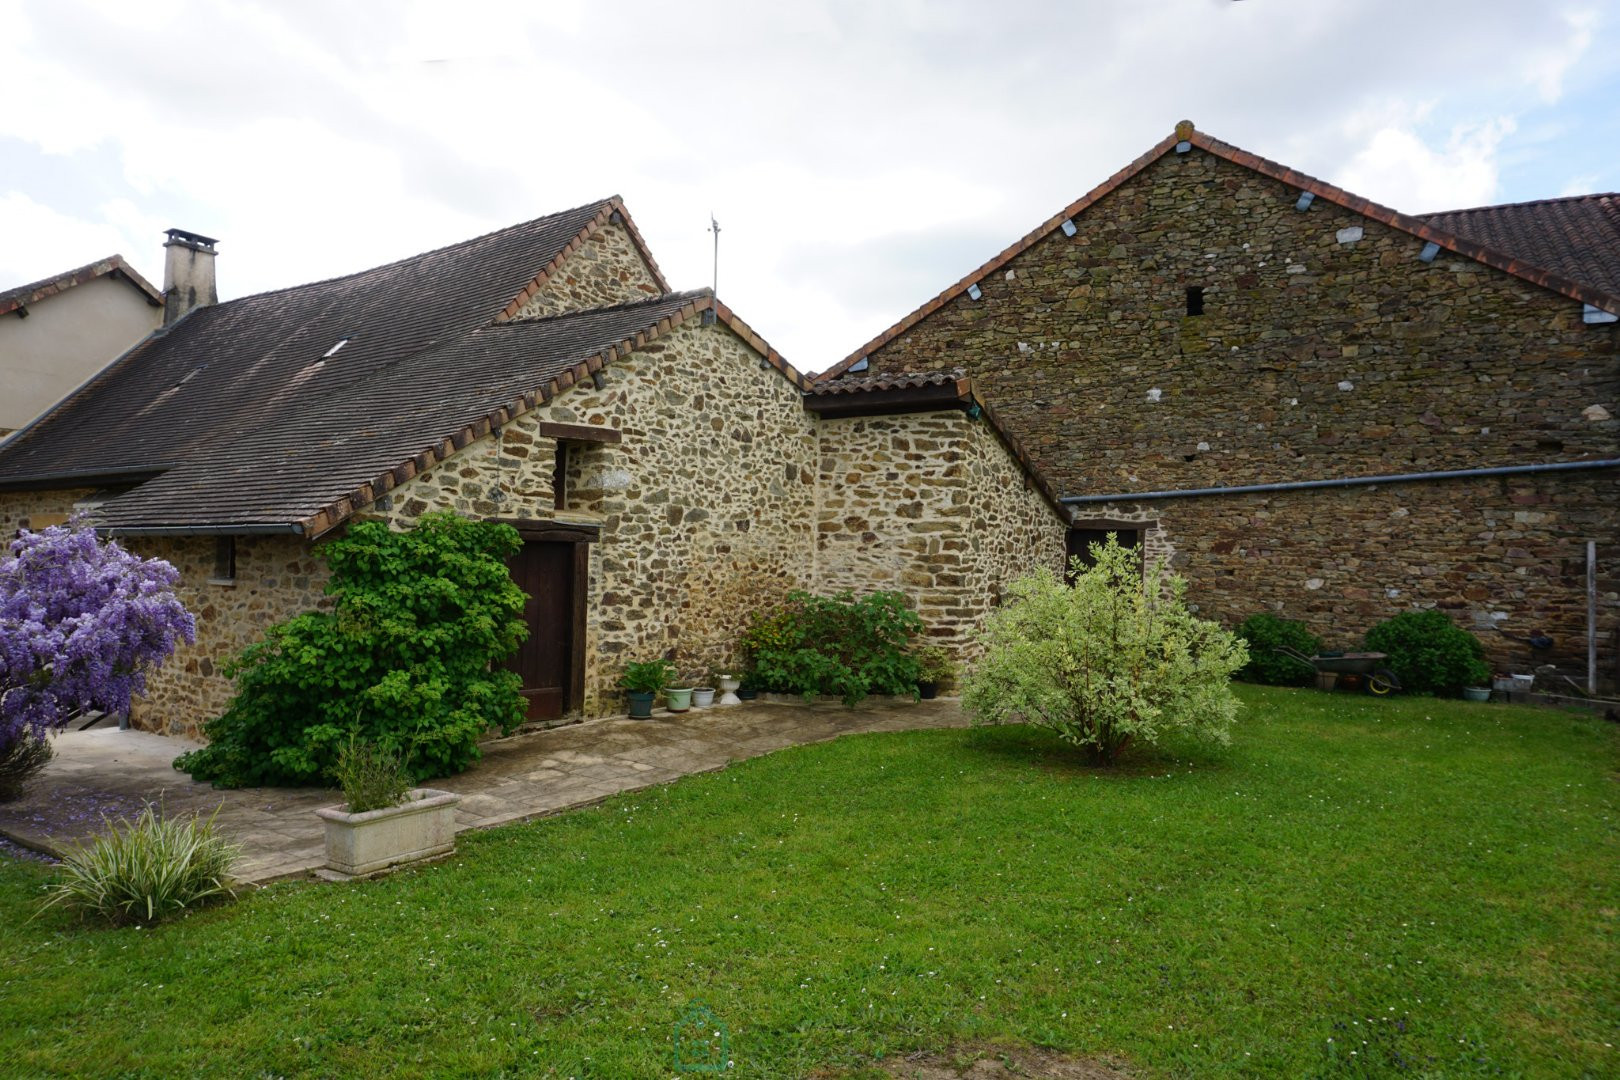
[(277, 577), (705, 506), (605, 270), (930, 505), (1326, 349)]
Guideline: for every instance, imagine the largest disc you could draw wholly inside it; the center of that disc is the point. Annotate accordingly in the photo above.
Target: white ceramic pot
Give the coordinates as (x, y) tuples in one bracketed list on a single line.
[(702, 697), (728, 690), (420, 828)]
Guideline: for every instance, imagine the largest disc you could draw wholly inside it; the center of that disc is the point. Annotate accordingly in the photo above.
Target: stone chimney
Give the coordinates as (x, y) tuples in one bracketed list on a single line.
[(188, 274)]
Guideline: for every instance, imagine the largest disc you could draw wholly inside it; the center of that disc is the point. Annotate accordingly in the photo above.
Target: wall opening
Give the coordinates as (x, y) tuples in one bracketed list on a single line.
[(1195, 300)]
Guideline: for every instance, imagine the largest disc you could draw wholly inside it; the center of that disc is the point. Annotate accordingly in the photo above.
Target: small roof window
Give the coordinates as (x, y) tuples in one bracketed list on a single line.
[(333, 351)]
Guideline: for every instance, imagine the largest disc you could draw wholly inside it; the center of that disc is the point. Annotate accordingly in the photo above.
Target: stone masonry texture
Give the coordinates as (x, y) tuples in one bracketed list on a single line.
[(929, 505), (1316, 356), (606, 270)]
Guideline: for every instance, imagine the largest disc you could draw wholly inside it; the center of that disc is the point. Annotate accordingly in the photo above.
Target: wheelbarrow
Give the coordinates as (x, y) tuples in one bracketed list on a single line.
[(1349, 669)]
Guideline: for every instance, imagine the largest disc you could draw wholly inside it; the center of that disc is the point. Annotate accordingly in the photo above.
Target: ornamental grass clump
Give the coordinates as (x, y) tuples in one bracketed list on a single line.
[(1112, 660), (145, 870), (372, 777)]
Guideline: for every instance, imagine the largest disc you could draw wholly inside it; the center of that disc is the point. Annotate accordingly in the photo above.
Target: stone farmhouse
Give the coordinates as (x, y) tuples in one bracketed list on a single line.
[(665, 466), (1310, 404), (56, 333)]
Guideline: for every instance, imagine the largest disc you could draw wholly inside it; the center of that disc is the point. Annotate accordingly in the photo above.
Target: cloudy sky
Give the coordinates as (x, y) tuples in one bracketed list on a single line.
[(860, 154)]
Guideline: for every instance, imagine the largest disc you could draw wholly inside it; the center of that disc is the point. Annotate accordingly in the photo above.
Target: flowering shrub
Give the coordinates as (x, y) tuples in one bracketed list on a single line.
[(406, 660), (82, 623), (1107, 661), (843, 645)]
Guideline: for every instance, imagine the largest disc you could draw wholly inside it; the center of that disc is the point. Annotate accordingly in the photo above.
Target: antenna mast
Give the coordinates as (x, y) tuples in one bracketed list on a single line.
[(714, 227)]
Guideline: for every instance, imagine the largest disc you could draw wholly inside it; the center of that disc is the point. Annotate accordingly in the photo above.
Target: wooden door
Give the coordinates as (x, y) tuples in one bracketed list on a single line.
[(545, 570)]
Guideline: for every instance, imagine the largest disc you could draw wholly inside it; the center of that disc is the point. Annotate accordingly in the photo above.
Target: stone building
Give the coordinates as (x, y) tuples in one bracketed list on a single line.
[(1308, 403), (56, 333), (667, 469)]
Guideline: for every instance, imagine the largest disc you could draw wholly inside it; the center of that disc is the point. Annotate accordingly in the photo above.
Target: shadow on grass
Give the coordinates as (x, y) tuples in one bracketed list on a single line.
[(1041, 748)]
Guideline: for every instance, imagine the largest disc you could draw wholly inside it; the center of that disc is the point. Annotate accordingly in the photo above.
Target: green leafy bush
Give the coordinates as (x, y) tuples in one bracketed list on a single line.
[(843, 645), (934, 665), (145, 870), (1429, 653), (371, 777), (1106, 662), (1263, 633), (646, 676), (406, 660)]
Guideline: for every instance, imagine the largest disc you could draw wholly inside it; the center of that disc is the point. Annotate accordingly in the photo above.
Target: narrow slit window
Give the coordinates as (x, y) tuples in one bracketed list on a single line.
[(559, 478), (1195, 299)]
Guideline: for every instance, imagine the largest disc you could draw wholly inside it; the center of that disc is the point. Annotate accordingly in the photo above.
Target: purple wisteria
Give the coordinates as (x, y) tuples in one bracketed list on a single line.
[(82, 621)]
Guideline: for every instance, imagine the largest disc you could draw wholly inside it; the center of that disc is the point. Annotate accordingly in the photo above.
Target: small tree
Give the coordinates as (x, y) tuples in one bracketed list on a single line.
[(82, 624), (406, 660), (1108, 661)]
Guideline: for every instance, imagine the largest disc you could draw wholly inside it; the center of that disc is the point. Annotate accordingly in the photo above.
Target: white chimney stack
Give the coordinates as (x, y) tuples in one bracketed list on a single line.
[(188, 274)]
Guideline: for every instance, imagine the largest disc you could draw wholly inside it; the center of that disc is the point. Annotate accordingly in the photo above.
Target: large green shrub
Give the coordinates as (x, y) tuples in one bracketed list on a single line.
[(145, 870), (843, 645), (1106, 662), (1429, 653), (407, 660), (1263, 633)]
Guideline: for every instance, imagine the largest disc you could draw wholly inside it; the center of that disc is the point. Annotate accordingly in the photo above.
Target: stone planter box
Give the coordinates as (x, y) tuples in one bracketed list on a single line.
[(421, 828)]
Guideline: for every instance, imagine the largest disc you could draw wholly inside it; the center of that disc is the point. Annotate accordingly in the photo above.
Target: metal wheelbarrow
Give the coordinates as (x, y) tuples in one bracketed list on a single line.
[(1351, 668)]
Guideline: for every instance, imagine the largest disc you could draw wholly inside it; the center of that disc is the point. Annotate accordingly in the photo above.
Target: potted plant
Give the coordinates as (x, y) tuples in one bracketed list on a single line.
[(678, 698), (384, 821), (702, 697), (934, 670), (642, 681), (1476, 693)]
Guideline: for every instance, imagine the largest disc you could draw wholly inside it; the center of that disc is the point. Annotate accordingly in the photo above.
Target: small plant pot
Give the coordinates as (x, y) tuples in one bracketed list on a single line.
[(702, 697), (679, 700), (422, 827), (1476, 693), (928, 691), (728, 690), (641, 703), (1327, 680), (747, 695)]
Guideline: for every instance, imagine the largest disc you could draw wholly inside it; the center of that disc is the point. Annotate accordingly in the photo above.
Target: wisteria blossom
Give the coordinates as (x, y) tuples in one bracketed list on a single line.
[(82, 622)]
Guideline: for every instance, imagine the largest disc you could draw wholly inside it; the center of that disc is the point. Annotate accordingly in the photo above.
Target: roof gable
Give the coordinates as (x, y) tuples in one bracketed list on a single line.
[(113, 266), (1585, 290)]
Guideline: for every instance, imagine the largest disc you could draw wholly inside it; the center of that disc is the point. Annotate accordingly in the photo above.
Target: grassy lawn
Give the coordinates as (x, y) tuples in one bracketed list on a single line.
[(1355, 887)]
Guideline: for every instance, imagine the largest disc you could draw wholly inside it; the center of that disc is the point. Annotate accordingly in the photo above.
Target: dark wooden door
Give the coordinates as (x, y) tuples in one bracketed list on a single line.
[(545, 661)]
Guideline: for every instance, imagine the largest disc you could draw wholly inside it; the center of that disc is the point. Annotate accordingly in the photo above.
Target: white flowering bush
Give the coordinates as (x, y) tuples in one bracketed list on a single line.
[(1112, 660)]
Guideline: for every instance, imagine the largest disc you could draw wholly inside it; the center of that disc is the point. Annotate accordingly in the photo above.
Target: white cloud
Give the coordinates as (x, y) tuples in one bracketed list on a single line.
[(1396, 167)]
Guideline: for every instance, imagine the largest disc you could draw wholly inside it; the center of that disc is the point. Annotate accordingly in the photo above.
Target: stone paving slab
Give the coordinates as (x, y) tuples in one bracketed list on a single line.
[(108, 774)]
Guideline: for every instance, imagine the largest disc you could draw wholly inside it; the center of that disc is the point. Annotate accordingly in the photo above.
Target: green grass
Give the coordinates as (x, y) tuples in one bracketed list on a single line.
[(1431, 885)]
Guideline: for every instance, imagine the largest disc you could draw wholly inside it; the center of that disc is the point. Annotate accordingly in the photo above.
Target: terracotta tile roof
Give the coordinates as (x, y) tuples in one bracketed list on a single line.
[(35, 291), (859, 384), (1578, 236), (1580, 288)]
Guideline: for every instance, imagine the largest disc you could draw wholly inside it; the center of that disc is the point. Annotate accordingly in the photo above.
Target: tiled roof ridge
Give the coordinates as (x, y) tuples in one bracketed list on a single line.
[(698, 301), (1548, 201), (393, 263), (1186, 132), (35, 291)]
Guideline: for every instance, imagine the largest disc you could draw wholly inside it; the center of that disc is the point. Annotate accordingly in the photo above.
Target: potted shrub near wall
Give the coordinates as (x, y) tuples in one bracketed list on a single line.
[(384, 821), (643, 681), (934, 671)]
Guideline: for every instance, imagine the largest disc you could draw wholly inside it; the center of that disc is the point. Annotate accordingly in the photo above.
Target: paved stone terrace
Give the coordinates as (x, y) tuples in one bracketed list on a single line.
[(111, 773)]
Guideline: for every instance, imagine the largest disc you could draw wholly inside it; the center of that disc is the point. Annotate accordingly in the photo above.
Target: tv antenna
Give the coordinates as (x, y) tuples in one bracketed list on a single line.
[(714, 227)]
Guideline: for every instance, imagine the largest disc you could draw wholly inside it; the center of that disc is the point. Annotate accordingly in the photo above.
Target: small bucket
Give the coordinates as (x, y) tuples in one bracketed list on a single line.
[(1327, 680)]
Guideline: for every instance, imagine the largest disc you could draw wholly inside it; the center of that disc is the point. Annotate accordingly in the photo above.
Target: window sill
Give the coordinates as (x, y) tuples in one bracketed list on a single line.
[(227, 582)]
